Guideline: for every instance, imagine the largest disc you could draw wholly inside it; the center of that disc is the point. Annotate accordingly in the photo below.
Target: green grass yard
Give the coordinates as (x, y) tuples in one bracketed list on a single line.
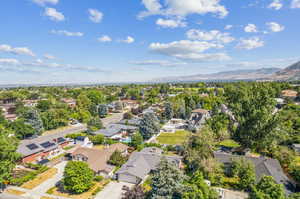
[(173, 138)]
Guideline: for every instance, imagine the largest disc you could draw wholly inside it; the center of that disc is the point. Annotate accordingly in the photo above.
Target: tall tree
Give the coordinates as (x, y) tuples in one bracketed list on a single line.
[(199, 147), (168, 114), (102, 110), (198, 189), (167, 181), (8, 155), (267, 188), (78, 177), (253, 105), (149, 125), (32, 117)]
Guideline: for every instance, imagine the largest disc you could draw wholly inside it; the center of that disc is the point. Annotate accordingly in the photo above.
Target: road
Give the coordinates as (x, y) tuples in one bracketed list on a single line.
[(41, 189), (114, 118)]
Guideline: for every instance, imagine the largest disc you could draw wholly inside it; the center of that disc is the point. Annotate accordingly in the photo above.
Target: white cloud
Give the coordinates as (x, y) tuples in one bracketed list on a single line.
[(250, 28), (276, 5), (251, 43), (275, 27), (178, 8), (48, 56), (158, 63), (54, 15), (67, 33), (128, 40), (44, 2), (295, 4), (213, 35), (95, 15), (105, 38), (189, 50), (9, 61), (17, 50), (228, 27), (170, 23)]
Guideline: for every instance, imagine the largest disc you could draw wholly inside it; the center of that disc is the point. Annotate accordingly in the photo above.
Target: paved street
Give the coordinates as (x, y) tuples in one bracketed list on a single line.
[(115, 117), (113, 190), (45, 186), (41, 190)]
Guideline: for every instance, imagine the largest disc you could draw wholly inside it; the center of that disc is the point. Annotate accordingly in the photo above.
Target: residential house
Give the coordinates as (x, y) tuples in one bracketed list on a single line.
[(291, 94), (296, 147), (9, 111), (263, 167), (130, 104), (174, 125), (118, 132), (83, 141), (30, 103), (198, 117), (42, 148), (131, 122), (141, 164), (70, 102), (97, 159)]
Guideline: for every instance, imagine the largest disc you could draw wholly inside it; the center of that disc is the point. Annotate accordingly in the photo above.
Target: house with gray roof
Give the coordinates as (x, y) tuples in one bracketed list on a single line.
[(132, 122), (141, 164), (263, 167), (116, 131)]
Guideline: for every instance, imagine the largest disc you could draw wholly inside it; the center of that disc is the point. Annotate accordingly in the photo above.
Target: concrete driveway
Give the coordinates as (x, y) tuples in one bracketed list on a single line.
[(113, 190)]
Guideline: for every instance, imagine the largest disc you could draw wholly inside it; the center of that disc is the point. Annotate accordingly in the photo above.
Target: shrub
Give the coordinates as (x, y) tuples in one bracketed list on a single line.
[(98, 178)]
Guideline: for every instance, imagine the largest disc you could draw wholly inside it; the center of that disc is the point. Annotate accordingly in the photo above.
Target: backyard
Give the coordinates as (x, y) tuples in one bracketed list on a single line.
[(177, 138)]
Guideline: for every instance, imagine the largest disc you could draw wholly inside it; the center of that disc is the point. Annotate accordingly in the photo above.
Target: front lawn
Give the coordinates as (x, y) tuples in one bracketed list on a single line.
[(98, 186), (40, 179), (177, 138), (229, 143)]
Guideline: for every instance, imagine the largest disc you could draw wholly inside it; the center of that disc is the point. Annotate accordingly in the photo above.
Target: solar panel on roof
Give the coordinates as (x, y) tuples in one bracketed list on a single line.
[(61, 139), (32, 146), (47, 144)]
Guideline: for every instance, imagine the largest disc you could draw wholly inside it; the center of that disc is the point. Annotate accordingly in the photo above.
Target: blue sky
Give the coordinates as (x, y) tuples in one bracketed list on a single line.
[(83, 41)]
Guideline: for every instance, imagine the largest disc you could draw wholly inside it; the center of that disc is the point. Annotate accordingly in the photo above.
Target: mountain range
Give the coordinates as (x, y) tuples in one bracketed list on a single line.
[(290, 73)]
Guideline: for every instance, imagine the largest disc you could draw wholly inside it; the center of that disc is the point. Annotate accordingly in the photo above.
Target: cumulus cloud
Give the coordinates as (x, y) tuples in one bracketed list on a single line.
[(177, 8), (44, 2), (95, 15), (104, 38), (16, 50), (158, 63), (276, 5), (128, 40), (228, 27), (295, 4), (213, 35), (189, 50), (48, 56), (251, 43), (170, 23), (54, 15), (250, 28), (9, 61), (275, 27), (67, 33)]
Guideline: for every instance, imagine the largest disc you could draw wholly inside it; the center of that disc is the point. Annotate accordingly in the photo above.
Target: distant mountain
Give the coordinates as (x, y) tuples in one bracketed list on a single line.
[(251, 74), (290, 73)]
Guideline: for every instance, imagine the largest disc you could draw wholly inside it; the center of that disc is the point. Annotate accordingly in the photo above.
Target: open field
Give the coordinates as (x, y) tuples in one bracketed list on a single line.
[(40, 179), (173, 138)]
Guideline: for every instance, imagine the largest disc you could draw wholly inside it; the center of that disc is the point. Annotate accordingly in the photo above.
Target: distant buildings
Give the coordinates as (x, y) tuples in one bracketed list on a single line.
[(291, 94)]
